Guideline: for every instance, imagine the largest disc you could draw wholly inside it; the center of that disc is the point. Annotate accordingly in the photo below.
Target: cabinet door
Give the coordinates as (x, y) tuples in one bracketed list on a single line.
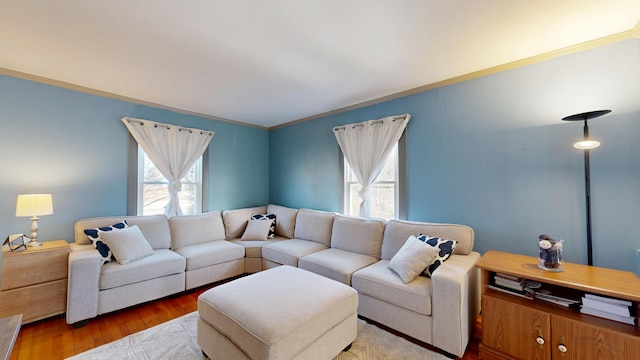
[(632, 348), (515, 330), (575, 340)]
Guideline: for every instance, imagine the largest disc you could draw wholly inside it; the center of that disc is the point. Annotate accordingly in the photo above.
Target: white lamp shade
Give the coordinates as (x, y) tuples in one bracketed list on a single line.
[(34, 205), (586, 144)]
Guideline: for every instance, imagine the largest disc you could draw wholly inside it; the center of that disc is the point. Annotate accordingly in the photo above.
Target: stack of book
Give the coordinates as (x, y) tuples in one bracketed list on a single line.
[(510, 284), (608, 308), (559, 295)]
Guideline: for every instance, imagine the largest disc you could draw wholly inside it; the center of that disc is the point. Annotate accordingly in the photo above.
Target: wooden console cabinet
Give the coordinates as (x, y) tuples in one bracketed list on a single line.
[(34, 281), (519, 328)]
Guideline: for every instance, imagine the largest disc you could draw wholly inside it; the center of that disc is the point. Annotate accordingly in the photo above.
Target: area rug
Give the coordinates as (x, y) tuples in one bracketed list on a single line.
[(176, 339)]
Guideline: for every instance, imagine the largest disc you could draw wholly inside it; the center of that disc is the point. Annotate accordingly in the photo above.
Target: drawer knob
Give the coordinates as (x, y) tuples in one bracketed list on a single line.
[(540, 340), (563, 349)]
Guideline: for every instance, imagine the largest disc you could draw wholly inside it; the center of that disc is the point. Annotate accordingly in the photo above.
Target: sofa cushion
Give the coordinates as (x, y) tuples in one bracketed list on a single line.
[(314, 225), (127, 244), (358, 235), (210, 253), (382, 283), (287, 252), (444, 249), (95, 236), (285, 219), (196, 229), (396, 233), (335, 264), (256, 230), (163, 262), (235, 220), (253, 248), (412, 258), (267, 217)]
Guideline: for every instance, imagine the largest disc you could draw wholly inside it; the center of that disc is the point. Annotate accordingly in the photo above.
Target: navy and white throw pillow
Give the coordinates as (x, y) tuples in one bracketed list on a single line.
[(272, 217), (98, 243), (445, 249)]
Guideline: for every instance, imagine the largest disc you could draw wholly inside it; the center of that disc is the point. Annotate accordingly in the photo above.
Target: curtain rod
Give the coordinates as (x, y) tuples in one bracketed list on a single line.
[(370, 122), (168, 127)]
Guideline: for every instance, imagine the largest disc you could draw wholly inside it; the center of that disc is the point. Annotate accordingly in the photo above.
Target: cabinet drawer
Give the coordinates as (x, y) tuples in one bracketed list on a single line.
[(584, 341), (35, 265), (513, 330), (35, 302)]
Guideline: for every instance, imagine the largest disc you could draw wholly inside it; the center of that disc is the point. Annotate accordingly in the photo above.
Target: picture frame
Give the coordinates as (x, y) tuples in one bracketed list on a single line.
[(16, 242)]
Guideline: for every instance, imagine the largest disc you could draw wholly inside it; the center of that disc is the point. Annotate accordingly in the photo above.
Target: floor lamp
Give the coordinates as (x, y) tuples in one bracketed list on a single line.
[(586, 144)]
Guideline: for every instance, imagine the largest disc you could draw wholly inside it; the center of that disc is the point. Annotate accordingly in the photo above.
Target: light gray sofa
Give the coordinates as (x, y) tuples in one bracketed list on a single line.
[(188, 251), (440, 310)]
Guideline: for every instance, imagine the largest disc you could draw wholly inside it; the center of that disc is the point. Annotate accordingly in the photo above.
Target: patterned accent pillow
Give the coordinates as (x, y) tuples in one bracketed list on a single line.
[(445, 249), (98, 243), (272, 217)]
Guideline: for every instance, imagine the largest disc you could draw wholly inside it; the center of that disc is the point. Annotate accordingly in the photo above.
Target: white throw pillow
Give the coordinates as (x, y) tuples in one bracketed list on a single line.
[(256, 230), (412, 258), (127, 244)]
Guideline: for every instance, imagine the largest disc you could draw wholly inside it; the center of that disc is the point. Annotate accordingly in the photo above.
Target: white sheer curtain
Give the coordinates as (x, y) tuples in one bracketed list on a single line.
[(172, 149), (366, 146)]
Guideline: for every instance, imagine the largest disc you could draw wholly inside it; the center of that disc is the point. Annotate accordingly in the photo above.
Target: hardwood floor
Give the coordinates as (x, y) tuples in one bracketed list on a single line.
[(54, 339)]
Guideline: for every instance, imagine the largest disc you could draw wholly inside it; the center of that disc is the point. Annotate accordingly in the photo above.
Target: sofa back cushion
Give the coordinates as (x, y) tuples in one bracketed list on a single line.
[(358, 235), (155, 228), (285, 219), (196, 229), (314, 225), (396, 233), (235, 220)]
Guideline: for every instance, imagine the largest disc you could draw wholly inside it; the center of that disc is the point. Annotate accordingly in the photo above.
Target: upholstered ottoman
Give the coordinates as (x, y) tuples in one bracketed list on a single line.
[(281, 313)]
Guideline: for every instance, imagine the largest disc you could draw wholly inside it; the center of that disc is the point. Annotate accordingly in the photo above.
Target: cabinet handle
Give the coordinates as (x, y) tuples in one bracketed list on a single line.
[(563, 349), (540, 339)]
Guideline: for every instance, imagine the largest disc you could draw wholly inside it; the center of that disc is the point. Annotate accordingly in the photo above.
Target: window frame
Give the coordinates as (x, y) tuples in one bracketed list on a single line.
[(135, 172), (400, 200)]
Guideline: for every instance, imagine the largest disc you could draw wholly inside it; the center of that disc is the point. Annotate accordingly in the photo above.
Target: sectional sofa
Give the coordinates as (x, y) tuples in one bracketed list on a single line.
[(186, 252)]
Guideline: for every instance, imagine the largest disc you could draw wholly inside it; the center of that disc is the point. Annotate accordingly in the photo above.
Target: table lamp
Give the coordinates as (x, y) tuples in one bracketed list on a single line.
[(34, 205)]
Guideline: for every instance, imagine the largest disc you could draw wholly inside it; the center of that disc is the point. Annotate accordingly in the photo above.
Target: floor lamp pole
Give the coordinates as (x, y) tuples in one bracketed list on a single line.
[(585, 145), (587, 192)]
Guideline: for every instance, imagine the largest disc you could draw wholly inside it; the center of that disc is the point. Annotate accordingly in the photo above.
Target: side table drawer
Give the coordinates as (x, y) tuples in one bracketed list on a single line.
[(35, 302), (35, 265)]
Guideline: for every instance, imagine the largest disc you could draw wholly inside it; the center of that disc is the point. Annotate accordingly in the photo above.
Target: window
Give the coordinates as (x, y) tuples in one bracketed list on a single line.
[(384, 192), (153, 193)]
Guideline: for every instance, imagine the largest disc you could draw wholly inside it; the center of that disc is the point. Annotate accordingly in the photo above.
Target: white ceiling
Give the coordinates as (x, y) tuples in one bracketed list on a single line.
[(269, 62)]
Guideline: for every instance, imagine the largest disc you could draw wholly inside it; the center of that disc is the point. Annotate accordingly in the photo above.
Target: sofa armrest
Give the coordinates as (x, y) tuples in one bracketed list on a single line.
[(455, 302), (83, 283)]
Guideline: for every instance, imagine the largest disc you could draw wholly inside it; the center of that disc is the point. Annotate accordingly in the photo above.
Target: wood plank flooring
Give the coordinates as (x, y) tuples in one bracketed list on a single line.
[(54, 339)]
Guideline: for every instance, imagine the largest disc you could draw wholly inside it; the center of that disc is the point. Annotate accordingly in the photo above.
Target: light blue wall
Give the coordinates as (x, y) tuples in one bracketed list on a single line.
[(74, 146), (493, 153)]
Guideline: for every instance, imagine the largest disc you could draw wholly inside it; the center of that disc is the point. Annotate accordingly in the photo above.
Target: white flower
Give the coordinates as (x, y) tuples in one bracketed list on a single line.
[(544, 244), (557, 245)]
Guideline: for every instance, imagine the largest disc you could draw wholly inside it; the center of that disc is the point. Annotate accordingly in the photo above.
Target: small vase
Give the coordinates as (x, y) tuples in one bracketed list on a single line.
[(550, 255)]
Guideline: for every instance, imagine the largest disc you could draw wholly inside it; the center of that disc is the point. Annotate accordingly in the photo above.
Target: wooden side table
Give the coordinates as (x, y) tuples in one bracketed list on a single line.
[(34, 281), (514, 327)]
